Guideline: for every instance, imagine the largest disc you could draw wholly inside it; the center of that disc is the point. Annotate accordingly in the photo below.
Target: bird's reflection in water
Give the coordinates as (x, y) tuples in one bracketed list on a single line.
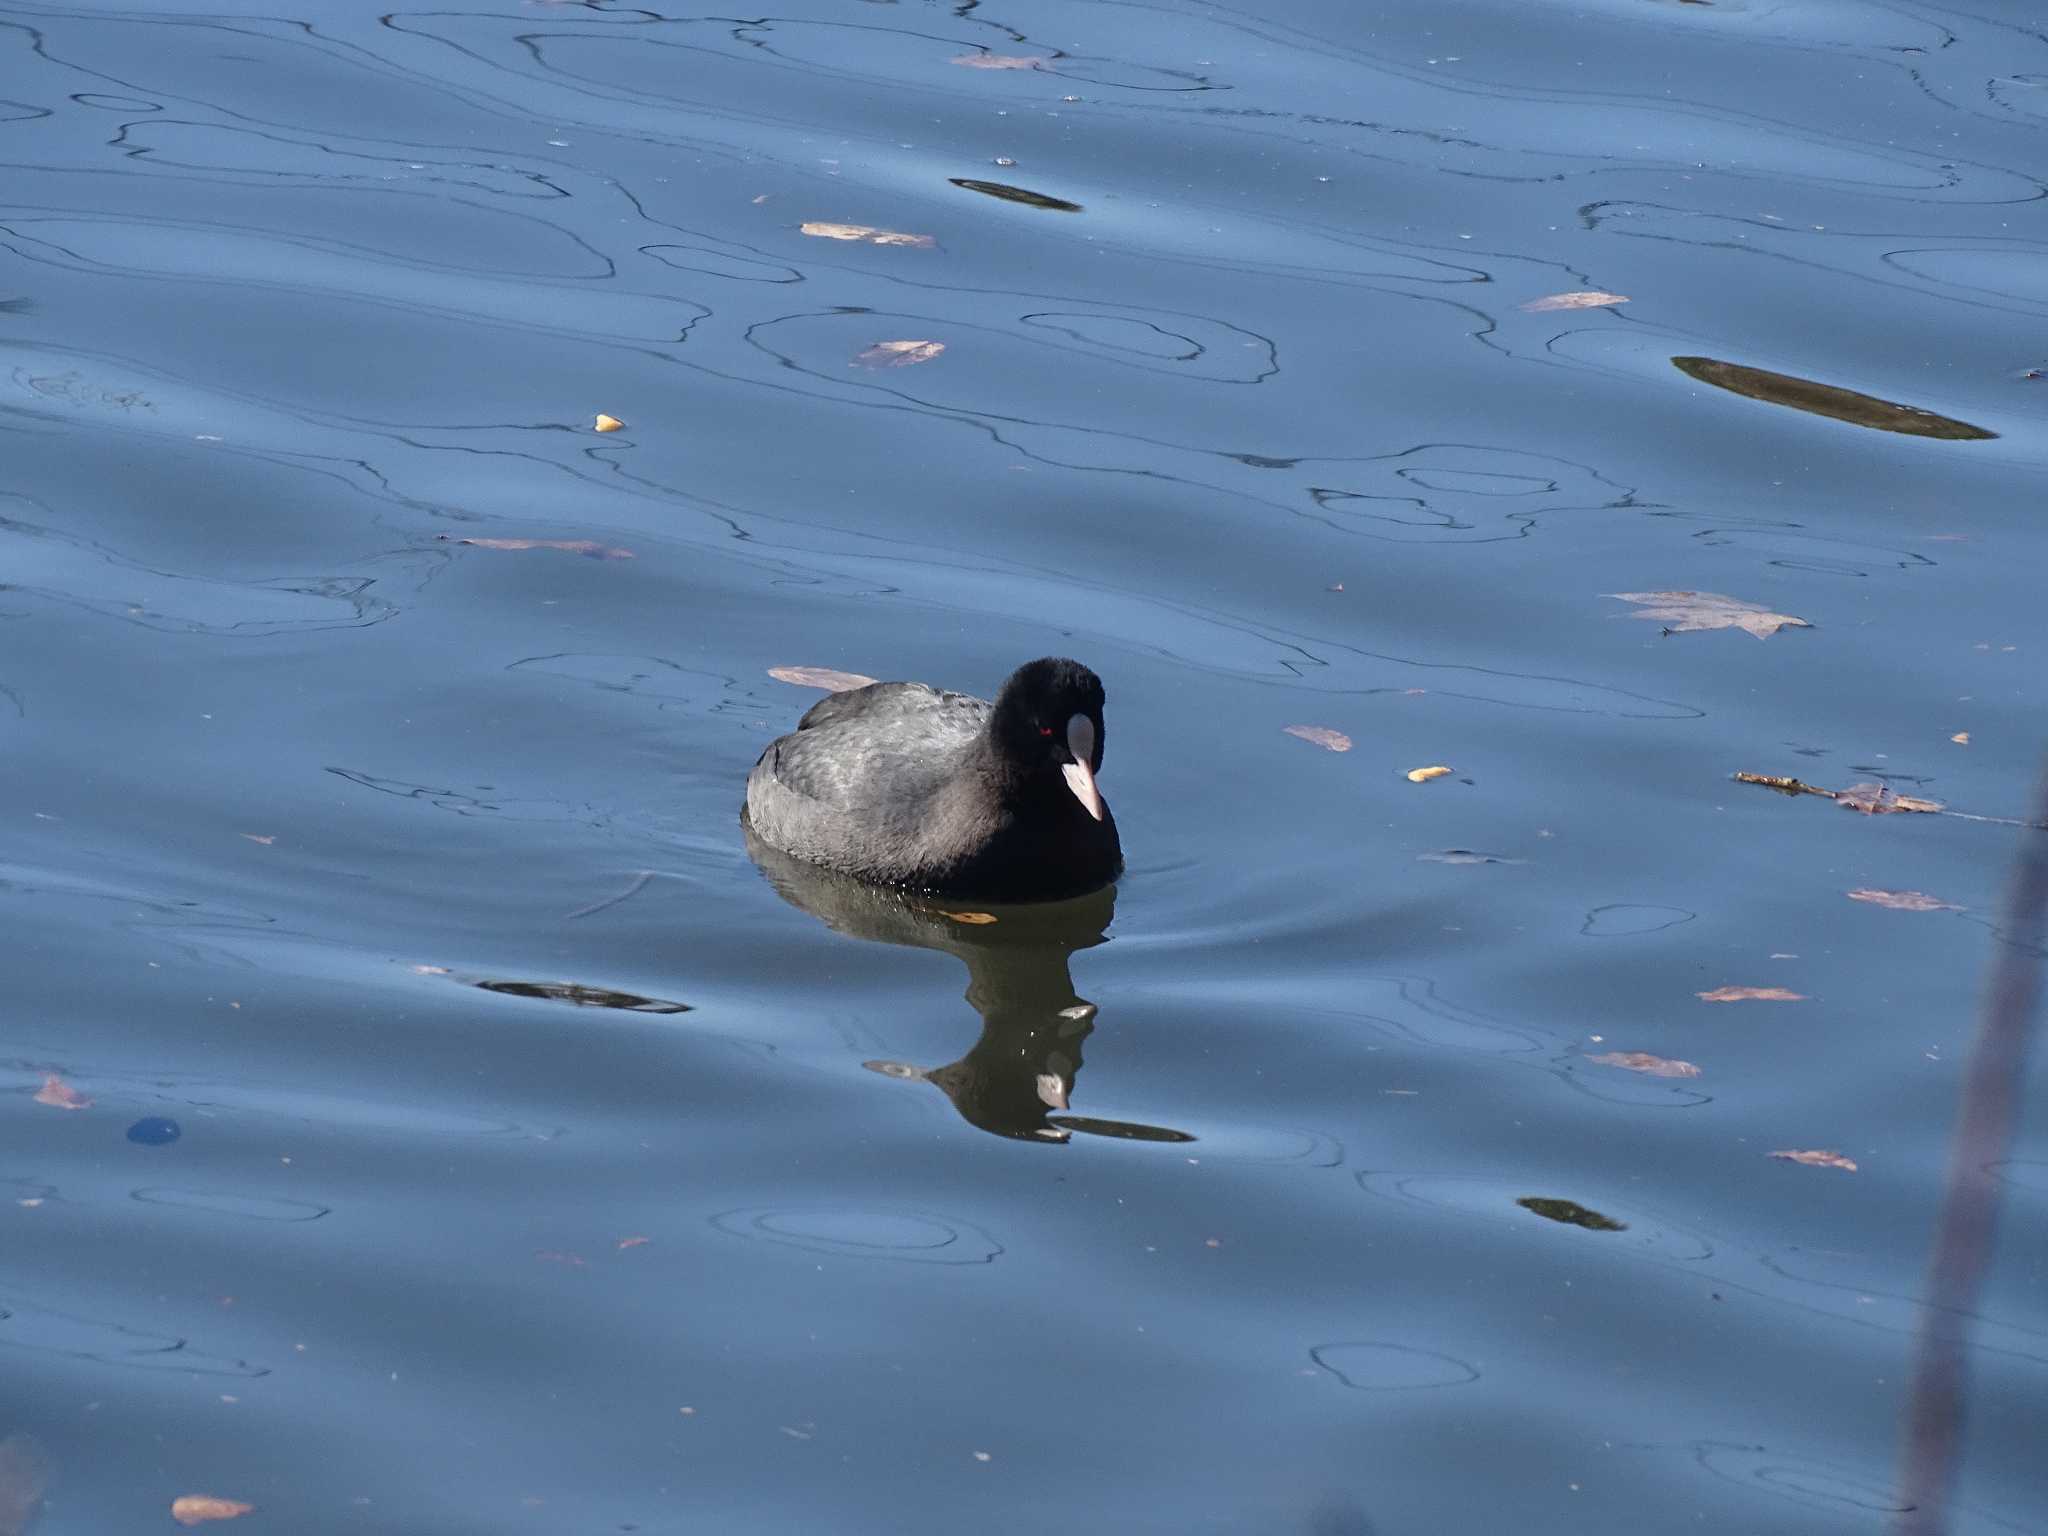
[(1016, 1080)]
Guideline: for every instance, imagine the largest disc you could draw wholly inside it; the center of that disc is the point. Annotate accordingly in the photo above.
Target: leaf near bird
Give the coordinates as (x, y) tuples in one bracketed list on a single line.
[(899, 354), (1904, 901), (865, 234), (974, 919), (1585, 300), (1322, 736), (198, 1508), (819, 677), (1643, 1061), (1750, 995), (1682, 611), (1819, 1160), (1881, 800)]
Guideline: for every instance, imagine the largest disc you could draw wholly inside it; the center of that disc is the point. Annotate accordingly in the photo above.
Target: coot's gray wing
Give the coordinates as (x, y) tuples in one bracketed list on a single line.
[(852, 785)]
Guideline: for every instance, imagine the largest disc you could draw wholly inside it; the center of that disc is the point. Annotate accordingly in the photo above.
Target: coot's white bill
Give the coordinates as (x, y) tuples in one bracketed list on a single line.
[(1079, 775)]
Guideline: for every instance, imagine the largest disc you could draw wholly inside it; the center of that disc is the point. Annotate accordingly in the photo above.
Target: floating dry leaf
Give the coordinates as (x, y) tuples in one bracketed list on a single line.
[(1819, 1160), (976, 918), (1586, 300), (59, 1094), (865, 233), (1322, 736), (1424, 775), (606, 423), (258, 837), (819, 677), (1000, 61), (1643, 1061), (1681, 611), (590, 547), (899, 354), (1904, 901), (198, 1508), (633, 1242), (1882, 800), (1750, 994), (1961, 738)]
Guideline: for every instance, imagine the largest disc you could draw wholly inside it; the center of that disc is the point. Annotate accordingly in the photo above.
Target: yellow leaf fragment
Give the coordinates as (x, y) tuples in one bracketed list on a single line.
[(606, 423), (1904, 901), (1750, 995), (1961, 738), (1643, 1061), (866, 233), (899, 354), (198, 1508), (1322, 736), (1424, 775), (59, 1094), (1000, 61), (1682, 611), (819, 677), (1819, 1160), (975, 918), (1586, 300)]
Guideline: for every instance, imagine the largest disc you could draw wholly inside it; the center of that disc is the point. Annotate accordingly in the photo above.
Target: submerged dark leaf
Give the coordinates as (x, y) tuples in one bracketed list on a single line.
[(1826, 400), (1010, 194), (1571, 1213)]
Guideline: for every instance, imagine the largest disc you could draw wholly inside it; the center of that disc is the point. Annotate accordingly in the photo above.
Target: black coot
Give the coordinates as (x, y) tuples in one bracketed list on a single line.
[(911, 786)]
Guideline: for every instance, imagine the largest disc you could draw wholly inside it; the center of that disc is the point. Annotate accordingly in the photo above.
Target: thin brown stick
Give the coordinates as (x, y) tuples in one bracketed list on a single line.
[(1932, 1429)]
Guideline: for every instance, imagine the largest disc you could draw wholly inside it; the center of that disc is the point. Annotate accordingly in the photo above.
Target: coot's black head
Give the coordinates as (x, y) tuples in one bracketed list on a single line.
[(1049, 719)]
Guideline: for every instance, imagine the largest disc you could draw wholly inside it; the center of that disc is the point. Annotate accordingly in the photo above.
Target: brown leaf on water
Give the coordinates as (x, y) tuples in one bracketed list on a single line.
[(899, 354), (865, 233), (1587, 300), (198, 1508), (590, 547), (1819, 1160), (1000, 61), (1682, 611), (819, 677), (1904, 901), (978, 919), (59, 1094), (1750, 994), (1880, 800), (1643, 1061), (606, 423), (1322, 736), (24, 1474)]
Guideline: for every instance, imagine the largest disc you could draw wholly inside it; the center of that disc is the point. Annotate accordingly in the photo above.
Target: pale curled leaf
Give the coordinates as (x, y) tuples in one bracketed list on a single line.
[(606, 423), (1321, 736), (1424, 775), (899, 354), (198, 1508), (1961, 738), (819, 677), (1750, 995), (59, 1094), (1682, 611), (1904, 901), (1000, 61), (1819, 1160), (1882, 800), (865, 234), (1643, 1061), (1583, 300)]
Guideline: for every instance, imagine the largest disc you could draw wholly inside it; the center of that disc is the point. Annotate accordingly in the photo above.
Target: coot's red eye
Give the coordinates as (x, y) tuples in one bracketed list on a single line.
[(1045, 730)]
